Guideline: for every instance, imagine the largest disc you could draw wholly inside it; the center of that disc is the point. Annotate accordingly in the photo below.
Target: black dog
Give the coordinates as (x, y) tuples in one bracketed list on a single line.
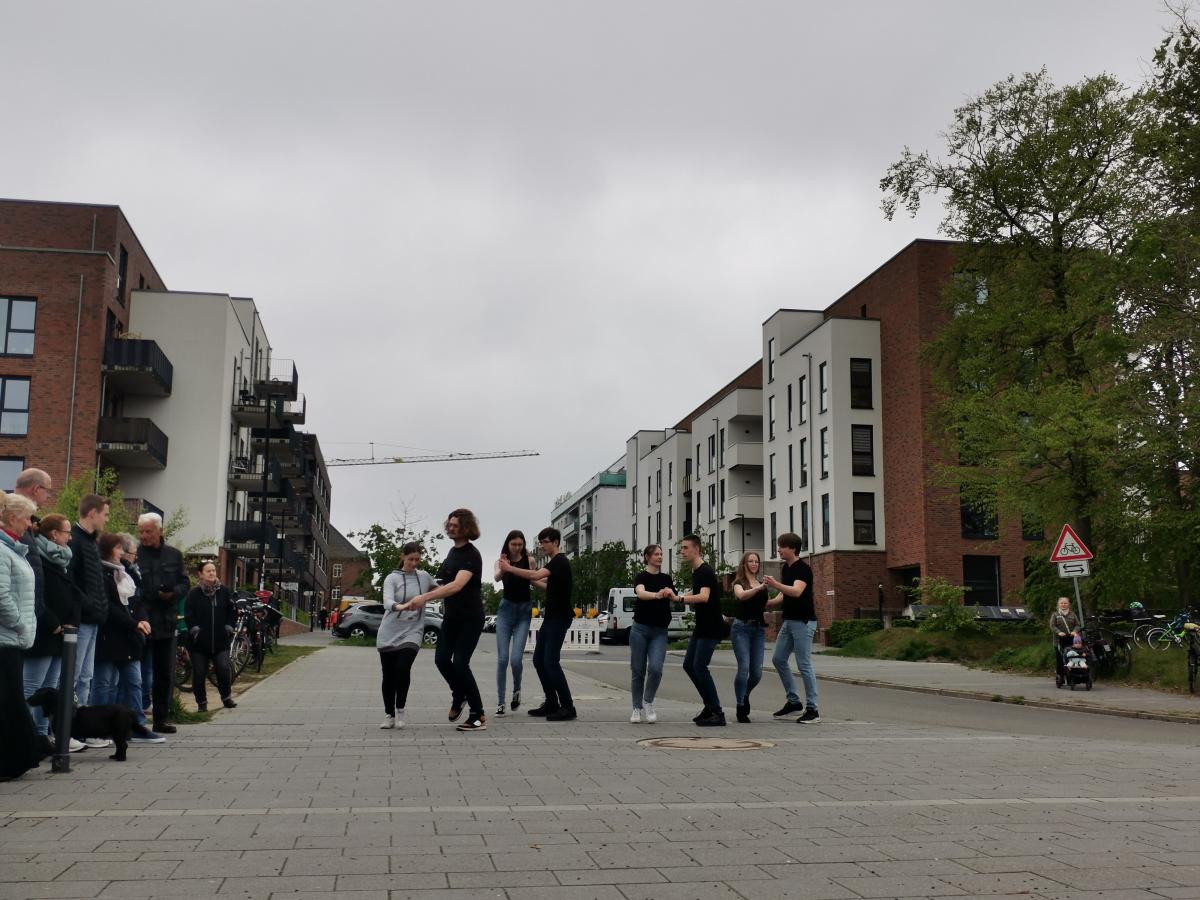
[(111, 721)]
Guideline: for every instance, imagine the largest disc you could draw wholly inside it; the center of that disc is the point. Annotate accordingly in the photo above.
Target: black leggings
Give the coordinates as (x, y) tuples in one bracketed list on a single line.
[(397, 667), (220, 662), (455, 645)]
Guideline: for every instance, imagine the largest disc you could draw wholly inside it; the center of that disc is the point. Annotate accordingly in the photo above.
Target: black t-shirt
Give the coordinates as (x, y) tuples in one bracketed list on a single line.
[(752, 609), (516, 588), (558, 589), (654, 613), (709, 621), (799, 608), (469, 601)]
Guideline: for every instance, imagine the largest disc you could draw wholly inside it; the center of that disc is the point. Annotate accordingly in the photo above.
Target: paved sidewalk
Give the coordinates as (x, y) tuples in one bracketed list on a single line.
[(298, 794)]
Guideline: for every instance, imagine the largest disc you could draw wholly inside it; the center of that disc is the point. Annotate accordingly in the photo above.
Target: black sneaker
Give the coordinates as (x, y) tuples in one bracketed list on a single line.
[(703, 714), (474, 723), (743, 713), (810, 717), (562, 715), (228, 702), (544, 710), (789, 709), (516, 700), (202, 707), (164, 728), (713, 719), (455, 710), (501, 709)]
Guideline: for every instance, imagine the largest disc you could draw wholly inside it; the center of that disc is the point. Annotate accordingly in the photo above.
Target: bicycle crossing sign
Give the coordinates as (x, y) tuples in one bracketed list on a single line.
[(1069, 547)]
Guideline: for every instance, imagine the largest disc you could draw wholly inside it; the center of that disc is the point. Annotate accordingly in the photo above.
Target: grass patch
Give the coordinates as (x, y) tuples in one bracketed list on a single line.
[(352, 641)]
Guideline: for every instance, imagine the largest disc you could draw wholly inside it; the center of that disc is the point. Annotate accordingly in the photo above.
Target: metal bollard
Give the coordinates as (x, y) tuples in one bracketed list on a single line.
[(66, 702)]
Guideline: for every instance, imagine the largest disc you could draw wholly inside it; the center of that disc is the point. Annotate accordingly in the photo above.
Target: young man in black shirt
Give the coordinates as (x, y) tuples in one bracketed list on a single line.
[(708, 632), (797, 630), (557, 615)]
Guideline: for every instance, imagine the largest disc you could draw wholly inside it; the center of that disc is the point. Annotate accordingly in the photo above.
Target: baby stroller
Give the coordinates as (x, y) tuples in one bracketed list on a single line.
[(1075, 664)]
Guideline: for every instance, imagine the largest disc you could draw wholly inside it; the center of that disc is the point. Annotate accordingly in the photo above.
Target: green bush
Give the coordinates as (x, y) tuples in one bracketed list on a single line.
[(905, 623), (918, 649), (843, 631)]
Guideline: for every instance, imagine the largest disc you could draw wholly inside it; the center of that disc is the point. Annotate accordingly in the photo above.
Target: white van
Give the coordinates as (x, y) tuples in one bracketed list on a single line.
[(619, 607)]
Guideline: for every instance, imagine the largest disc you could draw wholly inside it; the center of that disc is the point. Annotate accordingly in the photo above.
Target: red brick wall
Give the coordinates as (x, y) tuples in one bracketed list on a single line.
[(54, 279)]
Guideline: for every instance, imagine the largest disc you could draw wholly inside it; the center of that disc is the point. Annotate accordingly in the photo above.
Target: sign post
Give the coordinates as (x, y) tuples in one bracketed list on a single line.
[(1073, 558)]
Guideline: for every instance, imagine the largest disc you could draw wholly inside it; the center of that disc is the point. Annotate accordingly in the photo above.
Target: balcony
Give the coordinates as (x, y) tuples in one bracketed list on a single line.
[(585, 521), (745, 506), (131, 443), (244, 537), (685, 485), (280, 380), (136, 366), (249, 411), (247, 475), (744, 453), (570, 528)]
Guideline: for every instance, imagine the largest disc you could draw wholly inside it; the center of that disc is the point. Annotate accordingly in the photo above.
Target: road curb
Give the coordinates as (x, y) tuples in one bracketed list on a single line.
[(1178, 718)]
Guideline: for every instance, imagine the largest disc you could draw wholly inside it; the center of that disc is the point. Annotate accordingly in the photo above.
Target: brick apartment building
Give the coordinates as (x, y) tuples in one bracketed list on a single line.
[(347, 563), (79, 390)]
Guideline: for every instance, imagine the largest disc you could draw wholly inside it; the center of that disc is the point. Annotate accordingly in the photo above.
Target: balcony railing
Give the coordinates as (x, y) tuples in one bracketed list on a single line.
[(133, 443), (255, 413), (280, 379), (247, 475), (137, 366), (245, 537)]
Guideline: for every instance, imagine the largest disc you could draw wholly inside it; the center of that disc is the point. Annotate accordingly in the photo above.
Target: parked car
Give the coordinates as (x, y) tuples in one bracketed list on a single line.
[(363, 621)]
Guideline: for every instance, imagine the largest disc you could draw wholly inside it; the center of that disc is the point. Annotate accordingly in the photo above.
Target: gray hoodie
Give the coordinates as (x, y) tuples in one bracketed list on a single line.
[(402, 628)]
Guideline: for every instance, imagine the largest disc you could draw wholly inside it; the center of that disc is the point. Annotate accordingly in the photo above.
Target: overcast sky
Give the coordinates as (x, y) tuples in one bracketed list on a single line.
[(514, 225)]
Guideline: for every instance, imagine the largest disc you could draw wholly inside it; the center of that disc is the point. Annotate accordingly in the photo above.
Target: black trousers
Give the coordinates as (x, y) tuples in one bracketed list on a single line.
[(220, 662), (162, 660), (19, 750), (547, 653), (397, 672), (456, 643)]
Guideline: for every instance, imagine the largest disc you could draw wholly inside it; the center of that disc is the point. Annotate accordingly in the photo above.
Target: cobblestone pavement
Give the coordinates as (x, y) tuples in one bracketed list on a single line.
[(297, 794)]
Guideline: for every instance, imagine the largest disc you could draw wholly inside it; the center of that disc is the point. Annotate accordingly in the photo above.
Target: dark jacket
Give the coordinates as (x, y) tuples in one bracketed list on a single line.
[(161, 569), (29, 539), (60, 607), (119, 640), (86, 572), (210, 623)]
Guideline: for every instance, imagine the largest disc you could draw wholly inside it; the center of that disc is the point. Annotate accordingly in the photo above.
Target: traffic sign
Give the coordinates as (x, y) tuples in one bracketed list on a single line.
[(1069, 547), (1079, 568)]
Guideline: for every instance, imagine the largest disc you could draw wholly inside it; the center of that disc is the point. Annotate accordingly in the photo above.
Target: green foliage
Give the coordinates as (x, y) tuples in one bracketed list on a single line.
[(382, 547), (595, 572), (950, 615), (103, 483), (1037, 658), (842, 631), (905, 623), (491, 598)]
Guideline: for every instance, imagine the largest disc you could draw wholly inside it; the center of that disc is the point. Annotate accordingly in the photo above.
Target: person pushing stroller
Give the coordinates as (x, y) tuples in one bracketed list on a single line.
[(1065, 627)]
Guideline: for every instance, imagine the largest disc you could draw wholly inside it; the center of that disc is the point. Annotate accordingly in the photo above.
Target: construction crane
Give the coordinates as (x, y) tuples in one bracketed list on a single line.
[(437, 457)]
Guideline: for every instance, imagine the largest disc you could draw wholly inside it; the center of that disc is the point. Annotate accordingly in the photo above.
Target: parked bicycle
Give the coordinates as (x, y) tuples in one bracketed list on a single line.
[(1170, 635)]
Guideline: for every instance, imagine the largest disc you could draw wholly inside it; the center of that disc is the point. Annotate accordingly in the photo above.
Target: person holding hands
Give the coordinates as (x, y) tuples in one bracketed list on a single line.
[(749, 630), (710, 630), (797, 630), (654, 590)]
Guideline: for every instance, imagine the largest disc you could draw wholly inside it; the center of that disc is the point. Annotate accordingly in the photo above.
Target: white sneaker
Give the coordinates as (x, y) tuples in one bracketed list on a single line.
[(636, 717), (399, 718), (97, 743), (388, 722), (75, 746), (651, 715)]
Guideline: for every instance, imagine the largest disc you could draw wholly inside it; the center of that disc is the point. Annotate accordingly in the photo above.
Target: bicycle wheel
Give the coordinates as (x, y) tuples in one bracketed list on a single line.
[(1140, 633), (239, 655), (183, 668), (1158, 639)]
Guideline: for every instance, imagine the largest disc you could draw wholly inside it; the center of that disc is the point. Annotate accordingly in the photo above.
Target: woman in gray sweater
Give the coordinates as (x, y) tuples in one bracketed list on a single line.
[(400, 632)]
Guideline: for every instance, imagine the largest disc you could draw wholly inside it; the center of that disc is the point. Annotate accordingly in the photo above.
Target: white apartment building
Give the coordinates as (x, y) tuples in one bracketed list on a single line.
[(593, 515), (658, 508), (823, 431)]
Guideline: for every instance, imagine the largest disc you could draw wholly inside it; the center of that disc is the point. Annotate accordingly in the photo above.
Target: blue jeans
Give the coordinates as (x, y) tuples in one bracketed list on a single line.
[(40, 672), (85, 663), (647, 651), (796, 637), (749, 640), (695, 663), (121, 683), (546, 661), (512, 631)]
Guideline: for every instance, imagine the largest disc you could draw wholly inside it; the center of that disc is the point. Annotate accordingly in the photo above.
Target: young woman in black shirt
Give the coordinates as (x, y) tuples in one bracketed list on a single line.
[(648, 635), (512, 620), (748, 633)]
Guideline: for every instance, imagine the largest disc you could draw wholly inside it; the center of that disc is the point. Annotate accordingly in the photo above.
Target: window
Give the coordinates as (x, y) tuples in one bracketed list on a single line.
[(978, 522), (722, 542), (864, 518), (649, 533), (771, 475), (721, 512), (822, 389), (721, 450), (774, 535), (658, 527), (791, 485), (712, 502), (337, 570), (14, 406), (658, 486), (792, 519), (771, 418), (670, 523), (19, 317), (770, 360), (635, 543), (824, 452), (862, 449), (649, 485), (335, 594), (698, 495), (804, 525), (824, 520), (10, 468), (671, 479), (697, 459), (803, 392), (803, 462), (789, 406), (635, 505), (860, 384), (981, 578), (122, 274), (712, 453)]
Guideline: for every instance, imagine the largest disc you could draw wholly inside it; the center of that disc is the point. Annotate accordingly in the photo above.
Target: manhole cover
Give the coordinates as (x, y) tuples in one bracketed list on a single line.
[(705, 743)]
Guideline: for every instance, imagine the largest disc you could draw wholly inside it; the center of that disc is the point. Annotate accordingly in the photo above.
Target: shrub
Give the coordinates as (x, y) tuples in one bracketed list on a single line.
[(843, 631), (905, 623), (950, 616)]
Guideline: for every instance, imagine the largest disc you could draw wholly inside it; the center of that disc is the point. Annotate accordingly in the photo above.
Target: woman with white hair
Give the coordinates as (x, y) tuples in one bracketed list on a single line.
[(20, 748)]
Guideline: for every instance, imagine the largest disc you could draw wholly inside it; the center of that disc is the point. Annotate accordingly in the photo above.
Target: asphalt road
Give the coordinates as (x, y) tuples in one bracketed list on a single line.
[(844, 702)]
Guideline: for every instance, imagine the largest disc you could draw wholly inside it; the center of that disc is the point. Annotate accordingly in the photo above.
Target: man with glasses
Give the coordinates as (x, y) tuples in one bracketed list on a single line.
[(557, 614)]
